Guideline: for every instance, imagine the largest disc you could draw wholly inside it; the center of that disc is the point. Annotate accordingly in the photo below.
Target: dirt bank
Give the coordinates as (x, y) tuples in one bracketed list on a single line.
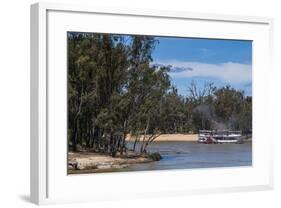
[(95, 162)]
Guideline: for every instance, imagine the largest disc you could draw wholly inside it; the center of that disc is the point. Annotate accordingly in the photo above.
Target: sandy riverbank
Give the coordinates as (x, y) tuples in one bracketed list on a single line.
[(95, 162), (171, 137)]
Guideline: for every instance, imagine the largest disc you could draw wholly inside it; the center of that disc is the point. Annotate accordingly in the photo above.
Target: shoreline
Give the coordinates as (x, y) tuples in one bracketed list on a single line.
[(174, 138), (86, 161), (97, 162), (169, 137)]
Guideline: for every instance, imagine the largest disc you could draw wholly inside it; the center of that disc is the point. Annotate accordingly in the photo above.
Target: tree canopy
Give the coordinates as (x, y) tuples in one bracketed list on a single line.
[(115, 90)]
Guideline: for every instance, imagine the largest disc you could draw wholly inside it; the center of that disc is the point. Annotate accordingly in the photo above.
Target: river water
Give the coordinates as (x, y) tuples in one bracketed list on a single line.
[(186, 155)]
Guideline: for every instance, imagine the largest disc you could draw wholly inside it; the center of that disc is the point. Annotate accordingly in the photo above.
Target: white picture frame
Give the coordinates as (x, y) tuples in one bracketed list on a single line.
[(49, 180)]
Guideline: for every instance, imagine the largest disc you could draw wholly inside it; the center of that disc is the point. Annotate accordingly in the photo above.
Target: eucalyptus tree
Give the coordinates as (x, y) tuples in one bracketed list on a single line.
[(114, 89), (97, 70), (157, 83)]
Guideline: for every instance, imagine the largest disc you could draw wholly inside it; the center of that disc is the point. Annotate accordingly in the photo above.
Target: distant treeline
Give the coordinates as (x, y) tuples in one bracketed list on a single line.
[(115, 90)]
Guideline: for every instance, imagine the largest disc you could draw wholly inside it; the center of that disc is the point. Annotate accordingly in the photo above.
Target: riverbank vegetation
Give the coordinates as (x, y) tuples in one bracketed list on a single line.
[(114, 89)]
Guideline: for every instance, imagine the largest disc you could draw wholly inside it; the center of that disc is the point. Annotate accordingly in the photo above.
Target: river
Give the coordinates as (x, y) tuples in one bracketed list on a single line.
[(186, 155)]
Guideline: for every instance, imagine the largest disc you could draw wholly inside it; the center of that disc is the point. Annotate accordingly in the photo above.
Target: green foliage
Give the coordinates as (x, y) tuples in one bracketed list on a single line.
[(156, 156), (114, 90)]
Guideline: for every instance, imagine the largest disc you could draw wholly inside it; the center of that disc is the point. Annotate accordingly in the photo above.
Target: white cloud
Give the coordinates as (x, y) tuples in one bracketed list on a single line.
[(229, 72)]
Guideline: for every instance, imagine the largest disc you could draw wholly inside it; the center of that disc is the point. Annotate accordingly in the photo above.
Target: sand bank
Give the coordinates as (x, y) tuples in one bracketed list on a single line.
[(170, 137), (81, 161)]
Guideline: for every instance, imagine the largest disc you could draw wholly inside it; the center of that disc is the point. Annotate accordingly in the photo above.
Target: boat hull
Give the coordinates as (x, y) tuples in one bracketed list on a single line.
[(219, 137)]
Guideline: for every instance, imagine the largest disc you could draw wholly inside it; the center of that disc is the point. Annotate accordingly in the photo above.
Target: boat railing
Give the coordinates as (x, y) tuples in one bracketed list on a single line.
[(219, 132)]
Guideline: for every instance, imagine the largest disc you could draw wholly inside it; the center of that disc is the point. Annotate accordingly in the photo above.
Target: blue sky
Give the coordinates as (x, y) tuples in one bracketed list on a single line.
[(221, 62)]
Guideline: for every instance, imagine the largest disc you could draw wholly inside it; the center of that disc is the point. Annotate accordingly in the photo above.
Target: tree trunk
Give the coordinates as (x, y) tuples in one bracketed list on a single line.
[(150, 140), (123, 142), (75, 133), (144, 136), (135, 142), (74, 137)]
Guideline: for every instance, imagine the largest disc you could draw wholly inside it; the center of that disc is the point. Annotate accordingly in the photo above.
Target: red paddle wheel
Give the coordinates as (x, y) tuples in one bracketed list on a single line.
[(209, 140)]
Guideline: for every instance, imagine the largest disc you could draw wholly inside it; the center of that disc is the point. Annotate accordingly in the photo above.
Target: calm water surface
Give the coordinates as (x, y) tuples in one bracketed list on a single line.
[(185, 155)]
